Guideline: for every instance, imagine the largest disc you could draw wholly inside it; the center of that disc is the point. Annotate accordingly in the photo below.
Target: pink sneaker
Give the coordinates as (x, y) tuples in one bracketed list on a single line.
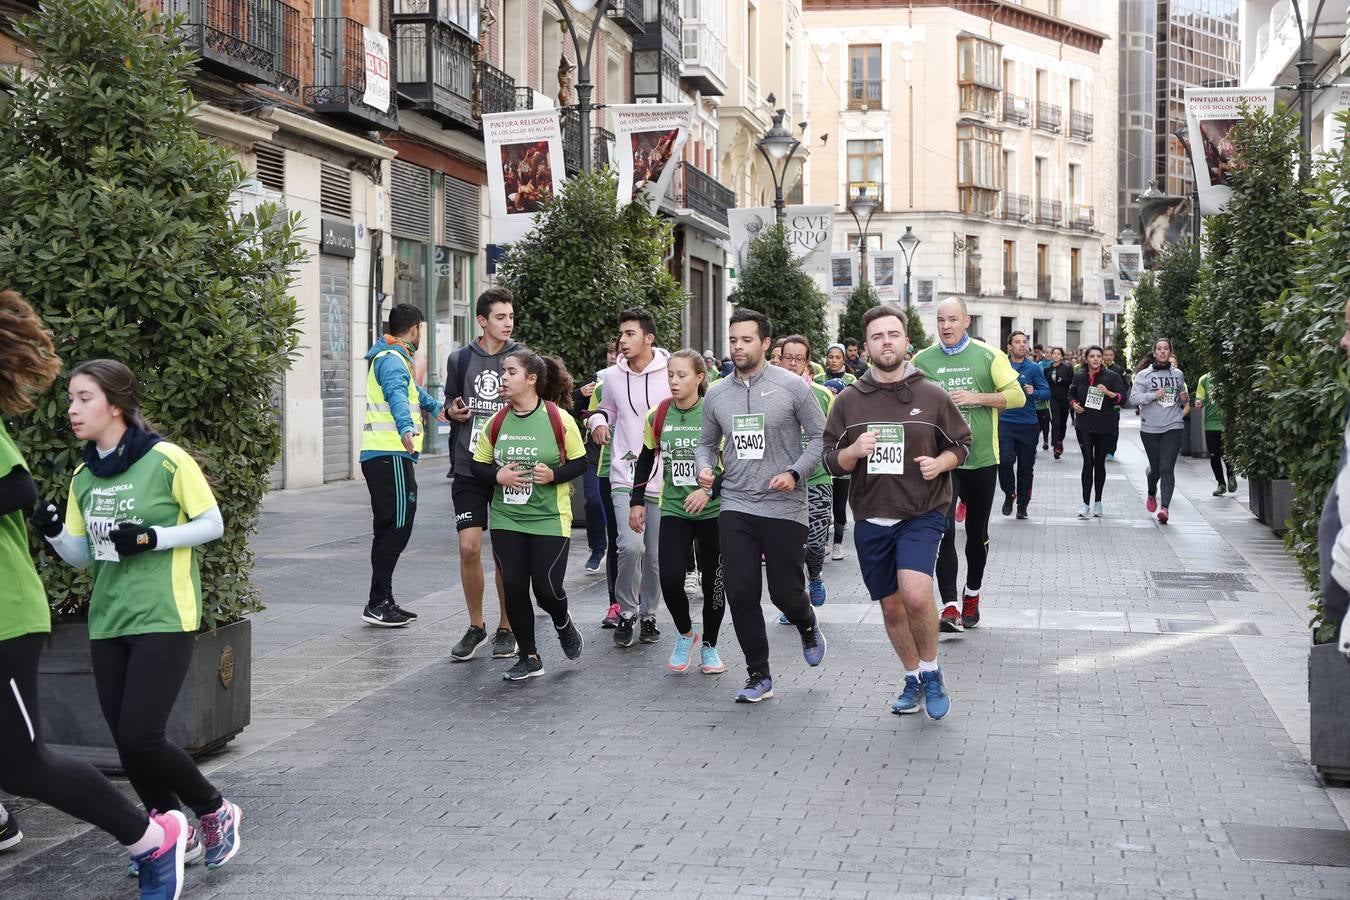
[(611, 617), (1162, 515), (1151, 504)]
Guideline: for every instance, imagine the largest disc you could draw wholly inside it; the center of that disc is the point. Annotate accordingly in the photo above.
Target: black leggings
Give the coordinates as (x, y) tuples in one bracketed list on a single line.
[(678, 535), (1043, 424), (29, 769), (1162, 450), (976, 487), (525, 559), (138, 678), (1214, 444), (840, 507), (1095, 447), (1059, 415)]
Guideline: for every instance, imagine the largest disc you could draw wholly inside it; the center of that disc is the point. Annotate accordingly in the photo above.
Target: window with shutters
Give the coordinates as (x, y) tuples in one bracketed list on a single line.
[(462, 215), (410, 199), (335, 191), (271, 167)]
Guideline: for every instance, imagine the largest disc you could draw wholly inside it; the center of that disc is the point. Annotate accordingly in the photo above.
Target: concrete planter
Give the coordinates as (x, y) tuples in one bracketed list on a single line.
[(212, 708), (1256, 497), (1329, 703), (1278, 494), (1187, 442), (1195, 427)]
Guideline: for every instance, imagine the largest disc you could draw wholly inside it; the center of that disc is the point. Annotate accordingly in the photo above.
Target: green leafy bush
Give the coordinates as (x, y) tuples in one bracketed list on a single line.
[(118, 229), (1159, 309), (1202, 315), (774, 283), (1142, 311), (860, 300)]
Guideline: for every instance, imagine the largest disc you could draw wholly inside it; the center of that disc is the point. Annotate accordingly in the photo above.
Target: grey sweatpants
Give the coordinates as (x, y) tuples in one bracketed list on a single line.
[(637, 588)]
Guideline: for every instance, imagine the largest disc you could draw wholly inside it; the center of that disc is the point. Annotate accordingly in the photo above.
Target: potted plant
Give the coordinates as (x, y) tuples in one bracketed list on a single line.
[(118, 228)]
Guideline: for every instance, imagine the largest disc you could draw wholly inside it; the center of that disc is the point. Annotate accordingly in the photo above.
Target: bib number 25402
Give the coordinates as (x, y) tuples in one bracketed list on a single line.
[(747, 436)]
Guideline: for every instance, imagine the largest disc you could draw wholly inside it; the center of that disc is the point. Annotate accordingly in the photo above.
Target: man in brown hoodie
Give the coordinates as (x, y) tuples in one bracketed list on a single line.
[(899, 435)]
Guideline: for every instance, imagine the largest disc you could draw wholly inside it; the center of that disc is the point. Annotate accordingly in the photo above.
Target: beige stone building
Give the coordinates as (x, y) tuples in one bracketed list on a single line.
[(987, 127)]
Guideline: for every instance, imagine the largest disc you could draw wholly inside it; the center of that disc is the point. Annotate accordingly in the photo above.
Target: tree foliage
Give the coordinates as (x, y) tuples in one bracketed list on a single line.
[(774, 283), (862, 298), (1202, 315), (1160, 306), (585, 261), (118, 229)]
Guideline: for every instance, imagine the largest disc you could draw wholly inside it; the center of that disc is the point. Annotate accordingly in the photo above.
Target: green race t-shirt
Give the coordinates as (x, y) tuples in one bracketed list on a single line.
[(825, 397), (158, 591), (23, 600), (979, 368), (679, 478), (1213, 411), (543, 509), (602, 461)]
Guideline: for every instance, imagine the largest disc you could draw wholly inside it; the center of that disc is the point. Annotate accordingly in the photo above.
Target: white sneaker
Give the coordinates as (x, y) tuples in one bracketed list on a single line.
[(837, 552), (1084, 511)]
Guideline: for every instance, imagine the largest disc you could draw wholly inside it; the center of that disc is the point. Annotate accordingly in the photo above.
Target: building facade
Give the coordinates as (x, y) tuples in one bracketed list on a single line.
[(1270, 52), (986, 129)]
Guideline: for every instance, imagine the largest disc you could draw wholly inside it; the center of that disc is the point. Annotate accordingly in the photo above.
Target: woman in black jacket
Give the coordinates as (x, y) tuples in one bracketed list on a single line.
[(1097, 393), (1061, 382)]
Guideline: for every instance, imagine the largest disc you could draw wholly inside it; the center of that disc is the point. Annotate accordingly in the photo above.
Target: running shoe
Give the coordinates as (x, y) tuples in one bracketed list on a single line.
[(193, 854), (1220, 490), (692, 583), (783, 619), (10, 835), (960, 510), (910, 699), (1163, 515), (220, 834), (569, 636), (1110, 457), (525, 667), (817, 588), (612, 616), (384, 615), (1021, 512), (503, 644), (1097, 510), (1045, 445), (935, 700), (837, 552), (161, 871), (970, 610), (757, 687), (813, 645), (1083, 511), (951, 620), (1232, 483), (595, 562), (712, 661), (623, 634), (648, 633), (469, 644), (405, 613), (1008, 503), (1151, 504), (684, 648), (1059, 450)]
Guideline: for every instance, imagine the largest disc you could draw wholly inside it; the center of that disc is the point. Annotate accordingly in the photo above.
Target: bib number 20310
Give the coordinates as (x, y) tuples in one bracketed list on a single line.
[(747, 436)]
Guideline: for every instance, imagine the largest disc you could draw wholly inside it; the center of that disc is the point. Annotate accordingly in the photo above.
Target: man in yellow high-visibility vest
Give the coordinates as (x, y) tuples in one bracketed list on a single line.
[(390, 442)]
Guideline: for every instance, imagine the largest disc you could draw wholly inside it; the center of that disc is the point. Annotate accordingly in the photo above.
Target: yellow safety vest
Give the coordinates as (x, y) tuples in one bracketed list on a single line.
[(380, 433)]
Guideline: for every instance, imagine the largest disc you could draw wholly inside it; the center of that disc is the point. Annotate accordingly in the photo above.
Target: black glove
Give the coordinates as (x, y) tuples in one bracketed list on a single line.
[(132, 539), (47, 519)]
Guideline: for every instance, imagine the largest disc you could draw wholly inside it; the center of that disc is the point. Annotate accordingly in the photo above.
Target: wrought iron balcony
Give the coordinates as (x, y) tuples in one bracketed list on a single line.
[(571, 140), (524, 97), (973, 279), (628, 15), (340, 76), (457, 13), (1080, 126), (603, 152), (290, 59), (1081, 218), (872, 190), (1049, 212), (1010, 284), (864, 93), (1076, 290), (237, 39), (435, 72), (697, 191), (1049, 116), (1042, 286), (499, 90), (1015, 109), (1014, 207)]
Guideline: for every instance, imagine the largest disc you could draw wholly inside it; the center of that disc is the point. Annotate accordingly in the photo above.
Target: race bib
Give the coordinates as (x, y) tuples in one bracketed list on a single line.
[(1169, 397), (747, 435), (479, 423), (1095, 395), (98, 528), (888, 456), (521, 495), (682, 473)]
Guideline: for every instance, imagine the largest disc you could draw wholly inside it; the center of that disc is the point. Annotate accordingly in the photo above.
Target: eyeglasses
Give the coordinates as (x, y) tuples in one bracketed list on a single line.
[(794, 359)]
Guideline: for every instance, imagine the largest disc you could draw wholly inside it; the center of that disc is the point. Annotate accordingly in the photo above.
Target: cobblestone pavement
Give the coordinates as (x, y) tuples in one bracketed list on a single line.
[(1111, 718)]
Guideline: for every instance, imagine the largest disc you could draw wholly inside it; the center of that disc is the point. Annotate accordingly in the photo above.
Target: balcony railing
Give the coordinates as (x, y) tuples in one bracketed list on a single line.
[(1080, 125), (524, 97), (457, 13), (973, 279), (603, 152), (978, 100), (1081, 218), (435, 72), (571, 140), (1009, 284), (1015, 109), (1076, 290), (1049, 212), (663, 32), (238, 39), (340, 75), (1042, 286), (864, 93), (696, 190), (628, 15), (290, 57), (705, 58), (1014, 207), (498, 90), (1049, 116), (870, 189)]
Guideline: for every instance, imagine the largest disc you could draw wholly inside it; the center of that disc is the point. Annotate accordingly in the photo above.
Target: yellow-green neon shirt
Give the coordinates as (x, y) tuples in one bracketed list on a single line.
[(546, 509), (979, 368), (23, 600), (679, 438)]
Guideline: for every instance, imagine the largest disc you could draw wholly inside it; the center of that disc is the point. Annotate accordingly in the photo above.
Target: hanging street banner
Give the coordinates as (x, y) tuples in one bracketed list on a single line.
[(1210, 117), (1129, 264), (648, 138), (843, 275), (1113, 301), (925, 293), (885, 280), (377, 70), (810, 232), (524, 167)]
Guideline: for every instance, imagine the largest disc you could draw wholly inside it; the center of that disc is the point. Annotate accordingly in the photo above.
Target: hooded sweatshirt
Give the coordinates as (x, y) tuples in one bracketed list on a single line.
[(626, 398), (393, 377), (1159, 415), (476, 376), (931, 424)]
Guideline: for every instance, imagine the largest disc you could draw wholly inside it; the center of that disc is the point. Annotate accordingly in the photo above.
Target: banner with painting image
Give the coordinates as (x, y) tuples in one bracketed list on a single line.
[(525, 168), (1210, 117), (648, 138)]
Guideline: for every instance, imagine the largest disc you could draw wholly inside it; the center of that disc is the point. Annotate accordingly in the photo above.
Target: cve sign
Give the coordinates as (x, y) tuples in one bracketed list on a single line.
[(339, 239)]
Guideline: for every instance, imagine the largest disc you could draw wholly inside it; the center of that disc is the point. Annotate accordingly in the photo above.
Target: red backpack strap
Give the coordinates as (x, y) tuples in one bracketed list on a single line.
[(495, 426), (555, 419), (659, 421)]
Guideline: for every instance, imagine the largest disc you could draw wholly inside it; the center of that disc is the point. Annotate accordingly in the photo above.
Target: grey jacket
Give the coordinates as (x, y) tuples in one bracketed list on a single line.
[(475, 375), (1157, 418), (790, 411)]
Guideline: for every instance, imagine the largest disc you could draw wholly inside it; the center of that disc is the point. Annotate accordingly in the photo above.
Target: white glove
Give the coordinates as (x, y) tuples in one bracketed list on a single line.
[(1344, 643)]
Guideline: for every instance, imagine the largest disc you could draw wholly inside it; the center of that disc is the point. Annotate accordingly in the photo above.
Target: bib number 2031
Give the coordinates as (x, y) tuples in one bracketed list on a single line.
[(888, 456), (747, 436)]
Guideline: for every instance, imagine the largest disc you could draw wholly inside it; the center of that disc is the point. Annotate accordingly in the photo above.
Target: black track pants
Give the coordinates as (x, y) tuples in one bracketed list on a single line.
[(1095, 447), (782, 544), (976, 487), (677, 536), (392, 482)]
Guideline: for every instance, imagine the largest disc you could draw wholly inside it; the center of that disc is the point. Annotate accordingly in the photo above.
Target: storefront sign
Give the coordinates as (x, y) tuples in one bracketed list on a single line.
[(648, 138), (377, 70), (810, 232), (1210, 117), (339, 239), (524, 168)]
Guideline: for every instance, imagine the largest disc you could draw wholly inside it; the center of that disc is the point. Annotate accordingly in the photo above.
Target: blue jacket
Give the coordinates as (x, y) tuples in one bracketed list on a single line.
[(393, 377), (1028, 372)]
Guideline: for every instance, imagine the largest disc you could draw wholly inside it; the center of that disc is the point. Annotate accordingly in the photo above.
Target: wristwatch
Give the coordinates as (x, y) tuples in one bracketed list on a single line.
[(796, 479)]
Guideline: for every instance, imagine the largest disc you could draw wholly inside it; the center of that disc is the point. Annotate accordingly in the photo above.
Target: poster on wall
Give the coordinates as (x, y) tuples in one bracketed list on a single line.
[(1210, 117), (648, 138), (884, 281), (810, 232), (524, 168), (843, 275), (377, 70), (925, 293)]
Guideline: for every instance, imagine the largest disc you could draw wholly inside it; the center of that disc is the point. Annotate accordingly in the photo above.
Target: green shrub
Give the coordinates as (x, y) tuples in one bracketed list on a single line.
[(1159, 309), (118, 230), (774, 283), (1142, 312), (860, 300), (1202, 315)]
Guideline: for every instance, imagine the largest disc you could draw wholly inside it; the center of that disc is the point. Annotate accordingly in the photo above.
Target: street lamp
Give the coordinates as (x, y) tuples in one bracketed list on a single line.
[(584, 85), (778, 146), (862, 208), (909, 242), (1182, 135)]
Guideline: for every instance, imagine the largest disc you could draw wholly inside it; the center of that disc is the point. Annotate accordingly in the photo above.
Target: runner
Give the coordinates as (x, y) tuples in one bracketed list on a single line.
[(710, 365), (762, 412), (855, 363), (158, 844), (899, 435), (1061, 384), (1043, 406), (1097, 395), (596, 538), (1160, 392), (631, 389), (138, 507), (1205, 400), (688, 511), (839, 490), (472, 398), (981, 382), (1109, 362), (819, 487), (532, 450), (1018, 429), (611, 619), (836, 366), (390, 443)]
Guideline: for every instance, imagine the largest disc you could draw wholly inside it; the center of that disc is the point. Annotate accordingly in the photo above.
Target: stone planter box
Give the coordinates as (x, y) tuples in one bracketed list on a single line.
[(1329, 706), (1278, 494), (1195, 427), (212, 708), (1257, 497)]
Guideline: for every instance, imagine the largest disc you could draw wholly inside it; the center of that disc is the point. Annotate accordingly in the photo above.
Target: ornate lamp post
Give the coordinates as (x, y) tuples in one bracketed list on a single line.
[(584, 85), (909, 242), (862, 208), (778, 146)]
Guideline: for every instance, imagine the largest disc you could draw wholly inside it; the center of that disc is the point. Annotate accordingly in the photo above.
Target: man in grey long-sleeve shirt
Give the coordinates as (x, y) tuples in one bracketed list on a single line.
[(757, 419)]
